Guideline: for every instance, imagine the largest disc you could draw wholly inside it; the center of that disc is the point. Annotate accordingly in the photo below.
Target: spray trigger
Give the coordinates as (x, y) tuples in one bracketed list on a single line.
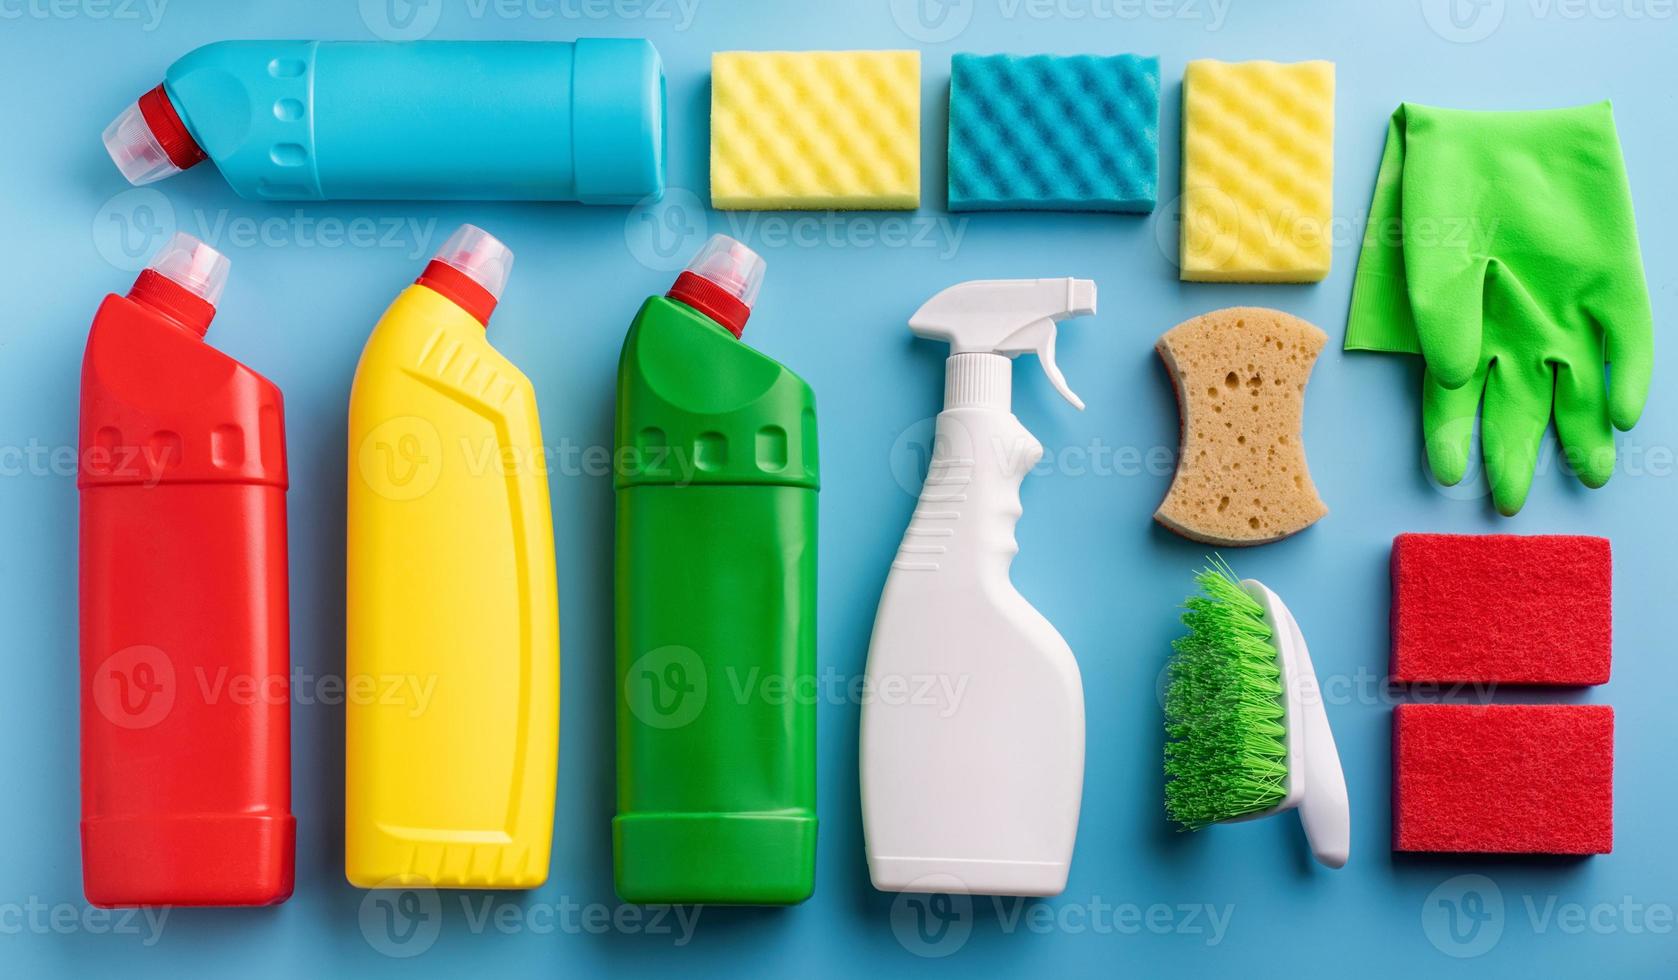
[(1038, 337), (1009, 317)]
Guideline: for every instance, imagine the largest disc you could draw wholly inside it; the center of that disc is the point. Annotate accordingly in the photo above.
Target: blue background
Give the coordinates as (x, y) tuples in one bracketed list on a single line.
[(302, 300)]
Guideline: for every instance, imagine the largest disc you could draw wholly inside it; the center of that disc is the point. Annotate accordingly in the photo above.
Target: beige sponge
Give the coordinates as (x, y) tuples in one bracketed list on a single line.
[(1240, 377)]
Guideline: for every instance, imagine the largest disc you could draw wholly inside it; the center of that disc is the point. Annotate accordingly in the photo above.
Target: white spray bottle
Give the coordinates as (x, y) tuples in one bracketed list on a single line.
[(973, 728)]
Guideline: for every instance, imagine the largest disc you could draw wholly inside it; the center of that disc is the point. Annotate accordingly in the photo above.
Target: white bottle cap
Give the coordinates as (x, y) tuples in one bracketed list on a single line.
[(193, 265), (136, 150), (731, 266), (480, 256)]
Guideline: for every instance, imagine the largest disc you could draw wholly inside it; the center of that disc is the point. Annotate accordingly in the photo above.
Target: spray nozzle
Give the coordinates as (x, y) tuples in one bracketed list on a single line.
[(1007, 317)]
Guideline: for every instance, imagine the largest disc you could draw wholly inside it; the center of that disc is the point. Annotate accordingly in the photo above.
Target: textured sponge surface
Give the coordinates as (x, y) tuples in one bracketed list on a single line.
[(1507, 779), (1047, 132), (1503, 608), (815, 129), (1258, 171), (1240, 377)]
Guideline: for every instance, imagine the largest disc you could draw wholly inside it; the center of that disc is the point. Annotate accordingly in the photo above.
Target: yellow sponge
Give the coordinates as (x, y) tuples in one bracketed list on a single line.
[(807, 130), (1258, 171)]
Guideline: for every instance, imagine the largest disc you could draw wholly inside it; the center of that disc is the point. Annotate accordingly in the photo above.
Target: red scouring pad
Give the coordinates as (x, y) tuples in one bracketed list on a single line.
[(1503, 779), (1503, 608)]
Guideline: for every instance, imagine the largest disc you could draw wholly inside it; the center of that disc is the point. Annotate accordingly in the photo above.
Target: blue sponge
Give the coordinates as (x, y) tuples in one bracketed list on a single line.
[(1053, 133)]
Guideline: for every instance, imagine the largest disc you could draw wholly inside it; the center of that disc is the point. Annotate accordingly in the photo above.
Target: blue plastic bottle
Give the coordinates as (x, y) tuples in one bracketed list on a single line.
[(432, 120)]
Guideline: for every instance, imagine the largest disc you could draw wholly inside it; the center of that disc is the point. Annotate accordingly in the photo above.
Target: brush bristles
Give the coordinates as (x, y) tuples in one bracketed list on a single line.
[(1226, 749)]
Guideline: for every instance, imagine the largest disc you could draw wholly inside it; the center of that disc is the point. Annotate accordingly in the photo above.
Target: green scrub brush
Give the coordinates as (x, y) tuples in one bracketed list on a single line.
[(1246, 733)]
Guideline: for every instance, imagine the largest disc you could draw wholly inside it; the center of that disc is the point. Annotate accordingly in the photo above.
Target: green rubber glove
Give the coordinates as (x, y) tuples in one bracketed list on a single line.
[(1501, 247)]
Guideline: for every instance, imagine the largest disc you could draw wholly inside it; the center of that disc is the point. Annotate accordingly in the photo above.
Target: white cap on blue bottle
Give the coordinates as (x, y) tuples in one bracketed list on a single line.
[(136, 150)]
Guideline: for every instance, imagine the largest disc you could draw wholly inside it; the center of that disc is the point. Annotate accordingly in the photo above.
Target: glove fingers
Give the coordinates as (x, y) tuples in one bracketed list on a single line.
[(1582, 422), (1628, 334), (1448, 425), (1517, 411), (1619, 299), (1447, 300)]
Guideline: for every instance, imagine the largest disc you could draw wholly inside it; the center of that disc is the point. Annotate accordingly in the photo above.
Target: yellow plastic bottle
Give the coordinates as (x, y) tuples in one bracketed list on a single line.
[(452, 646)]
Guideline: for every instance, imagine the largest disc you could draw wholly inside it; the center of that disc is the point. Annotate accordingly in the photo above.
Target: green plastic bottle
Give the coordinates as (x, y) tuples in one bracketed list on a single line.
[(716, 480)]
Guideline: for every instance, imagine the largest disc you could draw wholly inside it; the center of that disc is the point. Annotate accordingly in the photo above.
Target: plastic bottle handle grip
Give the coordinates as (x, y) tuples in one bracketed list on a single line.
[(970, 502)]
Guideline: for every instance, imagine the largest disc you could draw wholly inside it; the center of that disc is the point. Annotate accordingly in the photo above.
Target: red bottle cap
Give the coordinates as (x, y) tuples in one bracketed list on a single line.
[(721, 282), (149, 142), (471, 270), (184, 282)]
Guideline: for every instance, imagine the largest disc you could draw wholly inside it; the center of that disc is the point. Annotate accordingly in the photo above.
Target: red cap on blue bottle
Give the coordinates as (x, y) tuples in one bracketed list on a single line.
[(149, 141)]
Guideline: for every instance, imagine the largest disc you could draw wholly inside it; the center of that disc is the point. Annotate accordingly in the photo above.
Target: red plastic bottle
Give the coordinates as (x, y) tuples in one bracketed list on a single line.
[(185, 708)]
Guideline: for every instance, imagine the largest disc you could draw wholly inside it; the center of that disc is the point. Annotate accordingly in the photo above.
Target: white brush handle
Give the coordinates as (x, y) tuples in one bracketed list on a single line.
[(1324, 809), (1316, 783)]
